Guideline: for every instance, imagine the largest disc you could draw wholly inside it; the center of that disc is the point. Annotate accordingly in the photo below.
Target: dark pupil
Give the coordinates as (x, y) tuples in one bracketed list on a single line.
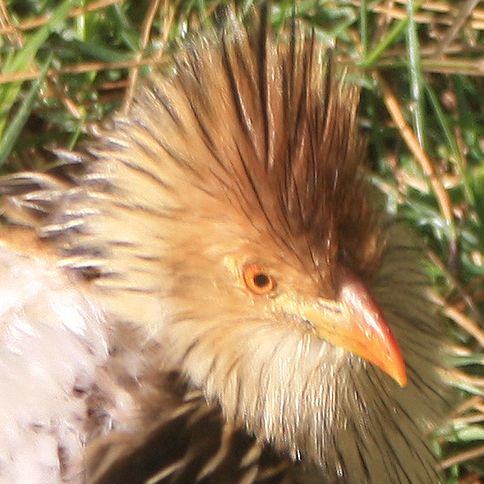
[(261, 280)]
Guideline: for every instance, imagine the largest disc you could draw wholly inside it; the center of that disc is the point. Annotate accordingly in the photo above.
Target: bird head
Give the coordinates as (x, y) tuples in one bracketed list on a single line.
[(230, 218)]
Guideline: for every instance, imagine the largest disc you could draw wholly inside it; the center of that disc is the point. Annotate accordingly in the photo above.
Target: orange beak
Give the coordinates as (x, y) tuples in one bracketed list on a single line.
[(354, 322)]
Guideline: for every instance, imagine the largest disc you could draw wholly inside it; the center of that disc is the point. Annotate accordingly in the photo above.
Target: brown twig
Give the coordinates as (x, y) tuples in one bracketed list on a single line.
[(408, 135), (456, 285), (145, 36), (469, 404), (465, 323), (42, 20), (464, 12), (6, 23), (78, 69), (434, 13), (468, 419), (462, 457)]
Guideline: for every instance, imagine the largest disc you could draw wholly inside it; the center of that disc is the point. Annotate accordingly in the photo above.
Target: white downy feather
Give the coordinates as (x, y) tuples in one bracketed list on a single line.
[(52, 340)]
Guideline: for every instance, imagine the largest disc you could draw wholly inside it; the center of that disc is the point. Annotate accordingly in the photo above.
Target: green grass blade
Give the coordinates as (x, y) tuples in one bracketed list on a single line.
[(416, 80), (13, 130), (25, 57), (397, 29), (364, 27), (445, 126)]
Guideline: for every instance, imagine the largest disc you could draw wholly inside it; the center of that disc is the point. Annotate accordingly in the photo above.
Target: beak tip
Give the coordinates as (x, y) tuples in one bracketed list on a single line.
[(397, 371), (401, 379)]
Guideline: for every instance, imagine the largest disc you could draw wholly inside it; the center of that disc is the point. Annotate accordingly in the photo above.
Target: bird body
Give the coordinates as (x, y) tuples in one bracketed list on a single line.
[(52, 339), (246, 289)]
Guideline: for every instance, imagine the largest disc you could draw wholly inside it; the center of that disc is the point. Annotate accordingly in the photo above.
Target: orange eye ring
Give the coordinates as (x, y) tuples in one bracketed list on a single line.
[(258, 280)]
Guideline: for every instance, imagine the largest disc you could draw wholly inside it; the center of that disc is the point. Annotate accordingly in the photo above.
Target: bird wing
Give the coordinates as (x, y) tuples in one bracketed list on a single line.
[(184, 440)]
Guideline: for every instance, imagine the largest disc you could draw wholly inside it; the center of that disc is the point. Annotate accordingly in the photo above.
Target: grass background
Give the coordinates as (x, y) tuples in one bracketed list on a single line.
[(67, 64)]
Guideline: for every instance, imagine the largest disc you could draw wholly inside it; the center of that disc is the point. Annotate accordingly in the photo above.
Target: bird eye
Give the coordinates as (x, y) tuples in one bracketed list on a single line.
[(258, 280)]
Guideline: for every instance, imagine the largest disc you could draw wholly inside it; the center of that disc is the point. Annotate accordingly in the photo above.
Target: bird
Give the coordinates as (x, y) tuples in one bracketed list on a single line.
[(210, 289)]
